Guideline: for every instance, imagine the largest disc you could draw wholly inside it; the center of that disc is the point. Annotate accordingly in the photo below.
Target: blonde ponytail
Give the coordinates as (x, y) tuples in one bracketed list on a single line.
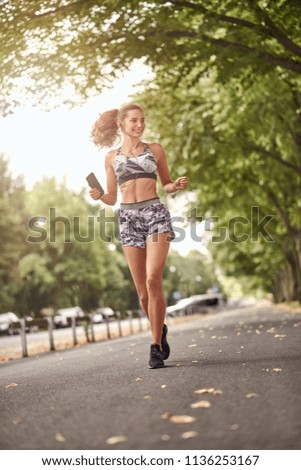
[(105, 129)]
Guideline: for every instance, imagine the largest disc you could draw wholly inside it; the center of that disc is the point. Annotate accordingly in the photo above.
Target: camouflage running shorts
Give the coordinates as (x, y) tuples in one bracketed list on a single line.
[(140, 220)]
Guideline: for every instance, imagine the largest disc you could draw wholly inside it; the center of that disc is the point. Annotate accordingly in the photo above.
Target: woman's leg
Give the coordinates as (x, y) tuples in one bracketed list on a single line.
[(156, 251), (136, 259)]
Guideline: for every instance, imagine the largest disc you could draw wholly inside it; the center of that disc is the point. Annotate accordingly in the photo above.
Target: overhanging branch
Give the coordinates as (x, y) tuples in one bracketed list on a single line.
[(274, 59)]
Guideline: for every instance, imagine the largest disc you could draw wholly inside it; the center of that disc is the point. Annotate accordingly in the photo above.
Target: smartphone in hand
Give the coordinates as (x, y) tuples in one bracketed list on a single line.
[(94, 183)]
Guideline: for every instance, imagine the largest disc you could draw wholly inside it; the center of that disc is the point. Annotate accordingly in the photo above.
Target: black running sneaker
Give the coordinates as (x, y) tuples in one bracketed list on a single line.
[(155, 360), (164, 344)]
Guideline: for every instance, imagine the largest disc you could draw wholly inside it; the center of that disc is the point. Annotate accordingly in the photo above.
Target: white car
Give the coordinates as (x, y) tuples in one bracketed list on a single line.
[(62, 318), (6, 322), (106, 312), (195, 304)]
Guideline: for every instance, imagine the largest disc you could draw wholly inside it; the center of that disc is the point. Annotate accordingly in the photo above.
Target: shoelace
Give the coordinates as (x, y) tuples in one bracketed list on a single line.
[(154, 352)]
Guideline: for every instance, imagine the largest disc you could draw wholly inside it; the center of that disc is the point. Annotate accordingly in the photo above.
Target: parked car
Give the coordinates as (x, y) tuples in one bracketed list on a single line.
[(6, 323), (106, 312), (62, 318), (195, 304), (97, 317)]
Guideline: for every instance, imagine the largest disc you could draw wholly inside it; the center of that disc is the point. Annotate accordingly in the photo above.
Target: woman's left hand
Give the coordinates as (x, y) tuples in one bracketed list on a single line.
[(181, 183)]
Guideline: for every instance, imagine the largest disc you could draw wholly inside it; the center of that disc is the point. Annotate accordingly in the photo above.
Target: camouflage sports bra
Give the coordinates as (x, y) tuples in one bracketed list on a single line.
[(143, 165)]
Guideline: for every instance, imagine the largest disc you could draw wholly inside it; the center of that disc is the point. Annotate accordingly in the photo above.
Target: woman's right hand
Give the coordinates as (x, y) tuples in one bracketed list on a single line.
[(94, 193)]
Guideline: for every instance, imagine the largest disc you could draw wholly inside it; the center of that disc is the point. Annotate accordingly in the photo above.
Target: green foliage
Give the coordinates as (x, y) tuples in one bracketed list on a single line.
[(12, 234), (240, 146), (55, 264), (80, 46)]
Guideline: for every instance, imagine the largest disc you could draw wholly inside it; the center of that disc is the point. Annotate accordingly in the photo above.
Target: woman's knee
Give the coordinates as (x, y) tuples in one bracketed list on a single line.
[(153, 283), (143, 297)]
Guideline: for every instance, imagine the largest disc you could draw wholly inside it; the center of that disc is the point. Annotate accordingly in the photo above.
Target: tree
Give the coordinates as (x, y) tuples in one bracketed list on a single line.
[(12, 234), (240, 146), (82, 45), (65, 264)]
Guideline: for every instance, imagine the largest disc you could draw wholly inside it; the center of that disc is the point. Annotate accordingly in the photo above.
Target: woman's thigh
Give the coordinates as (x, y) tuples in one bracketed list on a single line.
[(157, 247), (136, 259)]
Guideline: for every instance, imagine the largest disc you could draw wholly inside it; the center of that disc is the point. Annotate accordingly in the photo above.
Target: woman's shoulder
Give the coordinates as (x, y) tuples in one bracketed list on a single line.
[(156, 149), (111, 154)]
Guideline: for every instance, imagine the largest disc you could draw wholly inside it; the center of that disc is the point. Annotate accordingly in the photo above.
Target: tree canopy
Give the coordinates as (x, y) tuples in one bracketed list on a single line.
[(79, 46)]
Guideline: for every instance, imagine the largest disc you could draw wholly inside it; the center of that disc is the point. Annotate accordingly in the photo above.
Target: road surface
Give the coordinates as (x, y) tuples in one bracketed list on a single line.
[(248, 360)]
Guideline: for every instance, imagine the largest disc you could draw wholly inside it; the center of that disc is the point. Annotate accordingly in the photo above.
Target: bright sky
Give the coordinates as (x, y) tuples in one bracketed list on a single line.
[(57, 143)]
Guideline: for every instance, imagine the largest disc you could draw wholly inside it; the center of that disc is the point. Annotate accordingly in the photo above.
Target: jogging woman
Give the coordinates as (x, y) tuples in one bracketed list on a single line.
[(144, 222)]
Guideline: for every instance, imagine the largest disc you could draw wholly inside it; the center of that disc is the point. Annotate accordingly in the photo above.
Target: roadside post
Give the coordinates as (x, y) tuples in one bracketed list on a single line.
[(50, 332), (73, 325), (23, 337)]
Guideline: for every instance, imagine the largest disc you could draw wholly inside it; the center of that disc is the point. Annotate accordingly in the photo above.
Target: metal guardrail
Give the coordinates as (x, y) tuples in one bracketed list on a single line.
[(86, 322)]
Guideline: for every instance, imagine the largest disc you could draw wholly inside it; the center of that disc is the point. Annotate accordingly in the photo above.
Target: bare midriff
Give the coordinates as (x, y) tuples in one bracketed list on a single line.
[(138, 190)]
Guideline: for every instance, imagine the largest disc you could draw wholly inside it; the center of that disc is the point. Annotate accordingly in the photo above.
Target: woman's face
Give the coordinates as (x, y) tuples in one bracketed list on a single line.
[(134, 123)]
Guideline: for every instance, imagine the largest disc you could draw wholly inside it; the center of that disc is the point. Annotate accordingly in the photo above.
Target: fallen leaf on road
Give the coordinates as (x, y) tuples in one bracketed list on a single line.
[(194, 361), (192, 346), (12, 385), (147, 397), (115, 440), (163, 386), (59, 437), (165, 437), (189, 434), (280, 336), (251, 395), (204, 390), (181, 419), (16, 421), (201, 404), (166, 415), (234, 427), (276, 369), (201, 391), (213, 337), (138, 379), (257, 332)]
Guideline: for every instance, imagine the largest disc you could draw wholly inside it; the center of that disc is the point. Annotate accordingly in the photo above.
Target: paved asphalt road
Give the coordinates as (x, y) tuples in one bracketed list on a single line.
[(79, 398)]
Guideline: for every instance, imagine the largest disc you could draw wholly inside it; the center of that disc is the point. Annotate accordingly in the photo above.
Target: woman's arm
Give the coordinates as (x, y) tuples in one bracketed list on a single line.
[(110, 196), (168, 184)]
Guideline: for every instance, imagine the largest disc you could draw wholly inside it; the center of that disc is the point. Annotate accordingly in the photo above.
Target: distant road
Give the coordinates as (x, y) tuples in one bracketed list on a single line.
[(11, 347), (248, 360)]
